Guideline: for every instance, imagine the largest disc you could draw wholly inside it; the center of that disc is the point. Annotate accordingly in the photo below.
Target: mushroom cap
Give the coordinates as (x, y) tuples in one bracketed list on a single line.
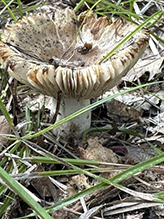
[(59, 52)]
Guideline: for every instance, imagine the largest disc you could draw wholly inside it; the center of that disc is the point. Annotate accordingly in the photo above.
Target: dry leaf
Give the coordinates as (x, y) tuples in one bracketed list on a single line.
[(4, 129), (95, 151), (120, 112)]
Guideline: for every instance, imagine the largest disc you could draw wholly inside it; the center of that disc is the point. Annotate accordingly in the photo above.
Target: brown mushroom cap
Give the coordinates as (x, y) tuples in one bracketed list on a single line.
[(61, 53)]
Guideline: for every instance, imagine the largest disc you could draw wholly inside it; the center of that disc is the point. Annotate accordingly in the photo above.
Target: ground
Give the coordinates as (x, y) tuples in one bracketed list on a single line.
[(115, 170)]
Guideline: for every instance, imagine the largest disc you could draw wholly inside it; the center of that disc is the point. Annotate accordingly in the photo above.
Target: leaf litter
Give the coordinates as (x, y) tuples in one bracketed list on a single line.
[(141, 111)]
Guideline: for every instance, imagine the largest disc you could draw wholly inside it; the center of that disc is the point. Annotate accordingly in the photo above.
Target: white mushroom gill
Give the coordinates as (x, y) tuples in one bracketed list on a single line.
[(60, 53)]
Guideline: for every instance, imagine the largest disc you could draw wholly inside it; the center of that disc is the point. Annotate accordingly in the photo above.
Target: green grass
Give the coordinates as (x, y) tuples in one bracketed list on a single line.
[(25, 148)]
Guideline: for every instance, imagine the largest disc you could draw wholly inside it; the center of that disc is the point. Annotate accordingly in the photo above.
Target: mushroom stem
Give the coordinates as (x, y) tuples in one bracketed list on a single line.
[(76, 126)]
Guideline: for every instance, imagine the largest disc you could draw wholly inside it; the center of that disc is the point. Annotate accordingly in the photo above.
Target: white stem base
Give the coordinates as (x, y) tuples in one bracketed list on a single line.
[(76, 126)]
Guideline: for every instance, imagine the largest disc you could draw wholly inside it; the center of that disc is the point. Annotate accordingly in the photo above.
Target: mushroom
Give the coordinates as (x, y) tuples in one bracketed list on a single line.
[(59, 54)]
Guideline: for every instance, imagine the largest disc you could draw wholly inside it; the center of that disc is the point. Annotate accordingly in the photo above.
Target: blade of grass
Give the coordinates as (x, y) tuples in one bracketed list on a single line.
[(54, 141), (20, 8), (108, 7), (114, 180), (7, 5), (127, 131), (141, 195), (72, 172), (72, 161), (7, 115), (10, 11), (159, 196), (14, 146), (86, 109), (6, 203), (66, 172), (79, 5), (18, 189), (146, 22)]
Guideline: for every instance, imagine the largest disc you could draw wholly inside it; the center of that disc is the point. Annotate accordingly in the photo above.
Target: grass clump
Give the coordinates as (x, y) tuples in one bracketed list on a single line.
[(32, 152)]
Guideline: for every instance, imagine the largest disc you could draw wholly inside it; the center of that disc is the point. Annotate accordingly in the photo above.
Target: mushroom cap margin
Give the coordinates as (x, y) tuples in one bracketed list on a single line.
[(78, 82)]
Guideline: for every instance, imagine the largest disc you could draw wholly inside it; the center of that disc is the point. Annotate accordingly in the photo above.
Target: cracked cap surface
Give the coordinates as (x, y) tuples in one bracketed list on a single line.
[(59, 52)]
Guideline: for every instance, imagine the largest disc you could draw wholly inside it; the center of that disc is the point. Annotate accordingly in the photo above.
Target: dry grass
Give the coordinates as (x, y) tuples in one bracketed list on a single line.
[(116, 170)]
